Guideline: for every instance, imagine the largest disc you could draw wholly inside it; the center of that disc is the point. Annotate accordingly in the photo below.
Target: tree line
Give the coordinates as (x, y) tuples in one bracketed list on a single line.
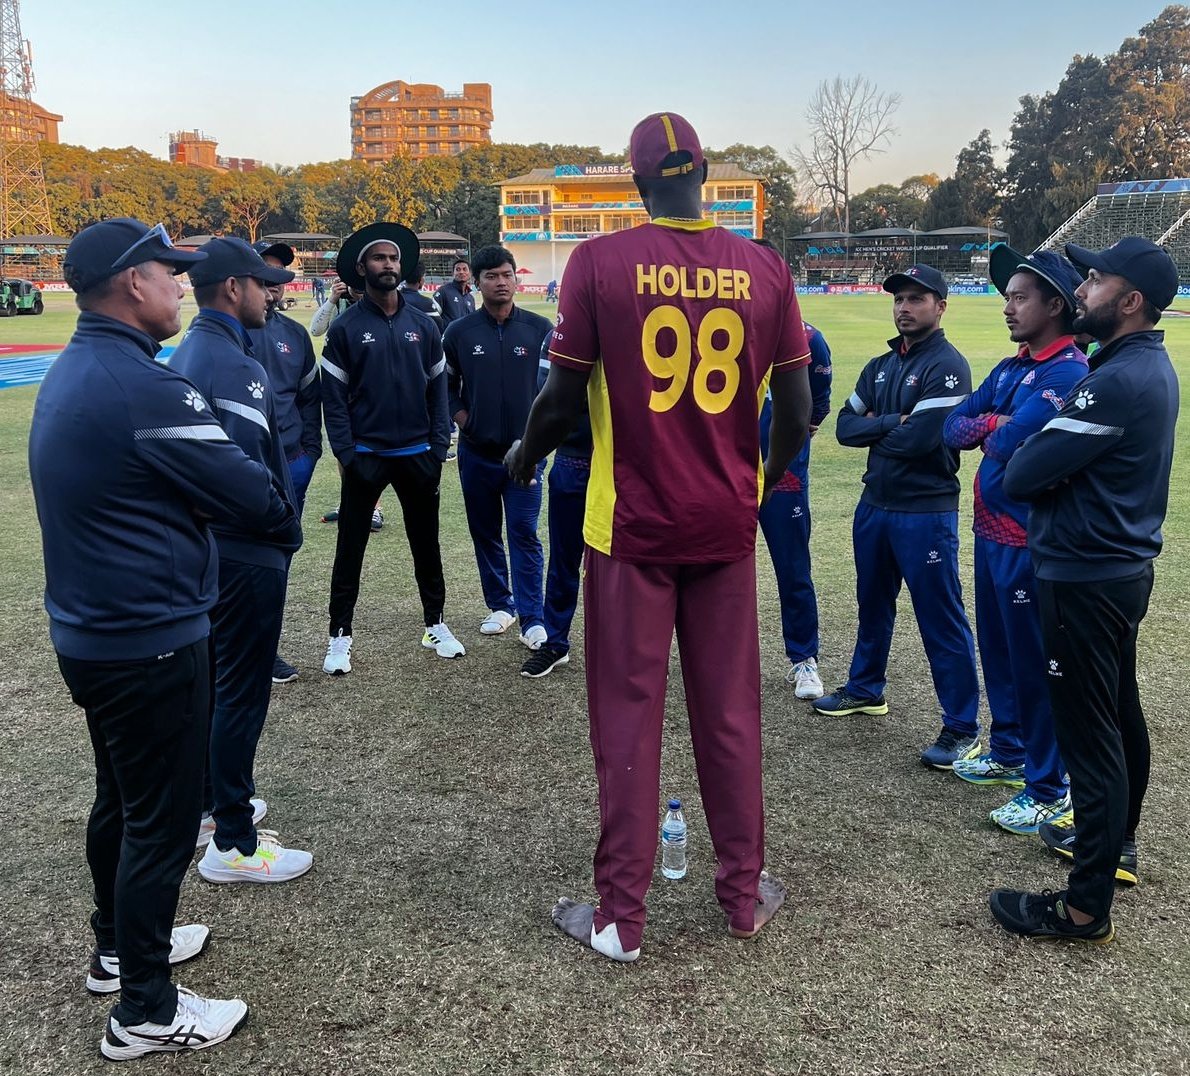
[(1118, 117)]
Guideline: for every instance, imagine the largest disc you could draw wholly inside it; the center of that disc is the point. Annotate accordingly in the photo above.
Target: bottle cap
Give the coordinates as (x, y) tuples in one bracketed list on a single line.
[(675, 805)]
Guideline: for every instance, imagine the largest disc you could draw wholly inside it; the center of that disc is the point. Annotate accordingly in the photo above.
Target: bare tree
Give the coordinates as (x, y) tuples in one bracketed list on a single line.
[(850, 119)]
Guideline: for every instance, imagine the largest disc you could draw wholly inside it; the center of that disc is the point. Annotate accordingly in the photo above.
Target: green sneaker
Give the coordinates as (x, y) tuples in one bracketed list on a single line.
[(985, 770), (1023, 814)]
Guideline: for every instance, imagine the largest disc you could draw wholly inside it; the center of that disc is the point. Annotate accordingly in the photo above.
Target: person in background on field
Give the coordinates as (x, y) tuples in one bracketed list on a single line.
[(492, 359), (411, 286), (1097, 480), (384, 398), (127, 463), (568, 479), (1019, 396), (455, 297), (907, 521), (673, 383), (283, 347), (231, 289)]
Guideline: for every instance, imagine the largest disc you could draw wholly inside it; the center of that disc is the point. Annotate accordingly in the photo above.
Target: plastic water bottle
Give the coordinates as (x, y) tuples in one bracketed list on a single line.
[(673, 842)]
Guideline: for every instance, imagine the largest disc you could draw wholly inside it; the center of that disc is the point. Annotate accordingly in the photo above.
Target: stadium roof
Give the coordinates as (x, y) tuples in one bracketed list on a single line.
[(38, 240), (715, 171), (813, 237), (299, 237), (968, 229), (873, 233), (441, 237)]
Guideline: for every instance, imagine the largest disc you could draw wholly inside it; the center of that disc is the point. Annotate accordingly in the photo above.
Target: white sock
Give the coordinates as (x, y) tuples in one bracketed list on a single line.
[(607, 942)]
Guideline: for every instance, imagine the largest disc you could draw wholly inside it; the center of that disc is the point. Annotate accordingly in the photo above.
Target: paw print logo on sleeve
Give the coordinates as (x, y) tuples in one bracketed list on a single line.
[(256, 389), (951, 381), (1084, 399), (193, 399)]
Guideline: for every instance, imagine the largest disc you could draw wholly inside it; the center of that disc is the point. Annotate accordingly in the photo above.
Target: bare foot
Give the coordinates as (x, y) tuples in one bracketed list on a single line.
[(771, 897), (574, 918)]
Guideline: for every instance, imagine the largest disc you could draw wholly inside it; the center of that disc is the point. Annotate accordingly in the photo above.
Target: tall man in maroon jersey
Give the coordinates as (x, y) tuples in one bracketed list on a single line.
[(673, 331)]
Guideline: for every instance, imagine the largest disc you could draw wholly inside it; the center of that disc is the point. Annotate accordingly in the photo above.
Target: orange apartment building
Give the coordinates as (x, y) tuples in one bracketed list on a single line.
[(416, 120), (547, 212), (16, 116)]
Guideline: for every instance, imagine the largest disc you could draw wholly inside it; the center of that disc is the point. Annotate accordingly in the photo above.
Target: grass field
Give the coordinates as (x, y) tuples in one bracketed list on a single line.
[(448, 804)]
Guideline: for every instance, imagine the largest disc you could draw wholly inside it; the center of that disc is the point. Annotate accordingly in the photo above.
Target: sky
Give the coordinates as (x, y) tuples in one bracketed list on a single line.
[(274, 81)]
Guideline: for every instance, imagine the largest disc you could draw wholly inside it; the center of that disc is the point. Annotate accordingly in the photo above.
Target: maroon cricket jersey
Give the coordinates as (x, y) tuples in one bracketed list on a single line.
[(681, 325)]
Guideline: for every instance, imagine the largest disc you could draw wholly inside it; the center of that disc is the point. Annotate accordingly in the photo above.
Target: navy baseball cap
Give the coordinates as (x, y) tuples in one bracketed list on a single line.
[(102, 250), (924, 275), (1004, 262), (1145, 265), (664, 144), (283, 252), (228, 257)]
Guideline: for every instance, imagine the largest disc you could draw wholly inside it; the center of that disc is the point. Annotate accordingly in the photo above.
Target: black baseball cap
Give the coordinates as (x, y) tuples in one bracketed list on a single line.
[(102, 250), (1003, 263), (925, 275), (283, 252), (228, 257), (1145, 265)]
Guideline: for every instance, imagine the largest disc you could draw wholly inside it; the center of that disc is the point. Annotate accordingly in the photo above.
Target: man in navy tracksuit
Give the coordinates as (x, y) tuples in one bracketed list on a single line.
[(284, 349), (492, 361), (1017, 399), (1097, 478), (411, 293), (384, 399), (785, 521), (906, 524), (454, 298), (568, 479), (230, 288), (127, 462)]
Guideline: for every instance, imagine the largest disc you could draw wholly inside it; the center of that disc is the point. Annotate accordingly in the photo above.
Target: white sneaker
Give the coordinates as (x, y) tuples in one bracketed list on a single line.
[(206, 828), (338, 655), (441, 640), (804, 677), (197, 1024), (534, 637), (185, 943), (269, 863), (497, 622)]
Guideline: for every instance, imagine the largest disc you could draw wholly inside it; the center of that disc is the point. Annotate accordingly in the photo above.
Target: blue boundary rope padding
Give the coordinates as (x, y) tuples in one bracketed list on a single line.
[(30, 369)]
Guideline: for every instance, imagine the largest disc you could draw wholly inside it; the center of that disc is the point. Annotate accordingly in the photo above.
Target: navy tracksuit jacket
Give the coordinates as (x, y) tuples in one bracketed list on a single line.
[(1030, 390), (906, 523)]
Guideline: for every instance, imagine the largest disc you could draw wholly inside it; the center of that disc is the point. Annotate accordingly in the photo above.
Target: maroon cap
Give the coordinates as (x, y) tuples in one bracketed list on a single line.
[(664, 144)]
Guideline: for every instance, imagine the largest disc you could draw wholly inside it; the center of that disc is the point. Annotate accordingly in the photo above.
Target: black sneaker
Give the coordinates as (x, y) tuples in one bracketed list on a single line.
[(950, 746), (1060, 837), (332, 516), (1044, 915), (840, 704), (283, 672), (544, 660)]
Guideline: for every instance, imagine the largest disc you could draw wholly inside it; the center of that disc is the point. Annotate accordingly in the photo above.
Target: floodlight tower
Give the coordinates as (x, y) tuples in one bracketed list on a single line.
[(24, 207)]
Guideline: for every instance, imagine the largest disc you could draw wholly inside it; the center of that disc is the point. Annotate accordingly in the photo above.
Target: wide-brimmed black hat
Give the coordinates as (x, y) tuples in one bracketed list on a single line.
[(355, 245), (1004, 262)]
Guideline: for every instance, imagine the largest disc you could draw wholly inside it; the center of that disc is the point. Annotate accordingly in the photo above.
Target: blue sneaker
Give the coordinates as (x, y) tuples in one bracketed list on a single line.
[(985, 770), (840, 704), (1023, 814), (949, 748)]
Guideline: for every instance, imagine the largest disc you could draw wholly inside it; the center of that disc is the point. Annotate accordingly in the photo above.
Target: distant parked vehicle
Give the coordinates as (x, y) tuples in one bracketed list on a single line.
[(19, 297)]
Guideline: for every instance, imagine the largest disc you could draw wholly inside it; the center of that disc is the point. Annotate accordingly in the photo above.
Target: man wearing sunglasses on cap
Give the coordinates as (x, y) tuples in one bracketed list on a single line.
[(1097, 479), (128, 462), (231, 289)]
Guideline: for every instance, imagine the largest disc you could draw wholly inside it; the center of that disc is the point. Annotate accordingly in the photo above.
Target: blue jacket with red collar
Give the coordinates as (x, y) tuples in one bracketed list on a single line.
[(1030, 389), (797, 476)]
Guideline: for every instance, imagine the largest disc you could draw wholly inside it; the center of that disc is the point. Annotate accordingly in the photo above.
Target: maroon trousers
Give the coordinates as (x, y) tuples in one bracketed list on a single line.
[(631, 613)]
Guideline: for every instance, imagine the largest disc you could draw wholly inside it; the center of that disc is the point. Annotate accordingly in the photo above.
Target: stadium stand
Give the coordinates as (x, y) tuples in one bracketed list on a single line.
[(1157, 209)]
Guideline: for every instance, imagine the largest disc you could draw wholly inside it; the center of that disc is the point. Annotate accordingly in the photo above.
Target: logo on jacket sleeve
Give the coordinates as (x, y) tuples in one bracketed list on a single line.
[(413, 336), (282, 347), (1028, 378), (880, 378), (193, 399), (1054, 398), (367, 338), (257, 390), (520, 350), (951, 381), (477, 350), (911, 380), (1084, 399)]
